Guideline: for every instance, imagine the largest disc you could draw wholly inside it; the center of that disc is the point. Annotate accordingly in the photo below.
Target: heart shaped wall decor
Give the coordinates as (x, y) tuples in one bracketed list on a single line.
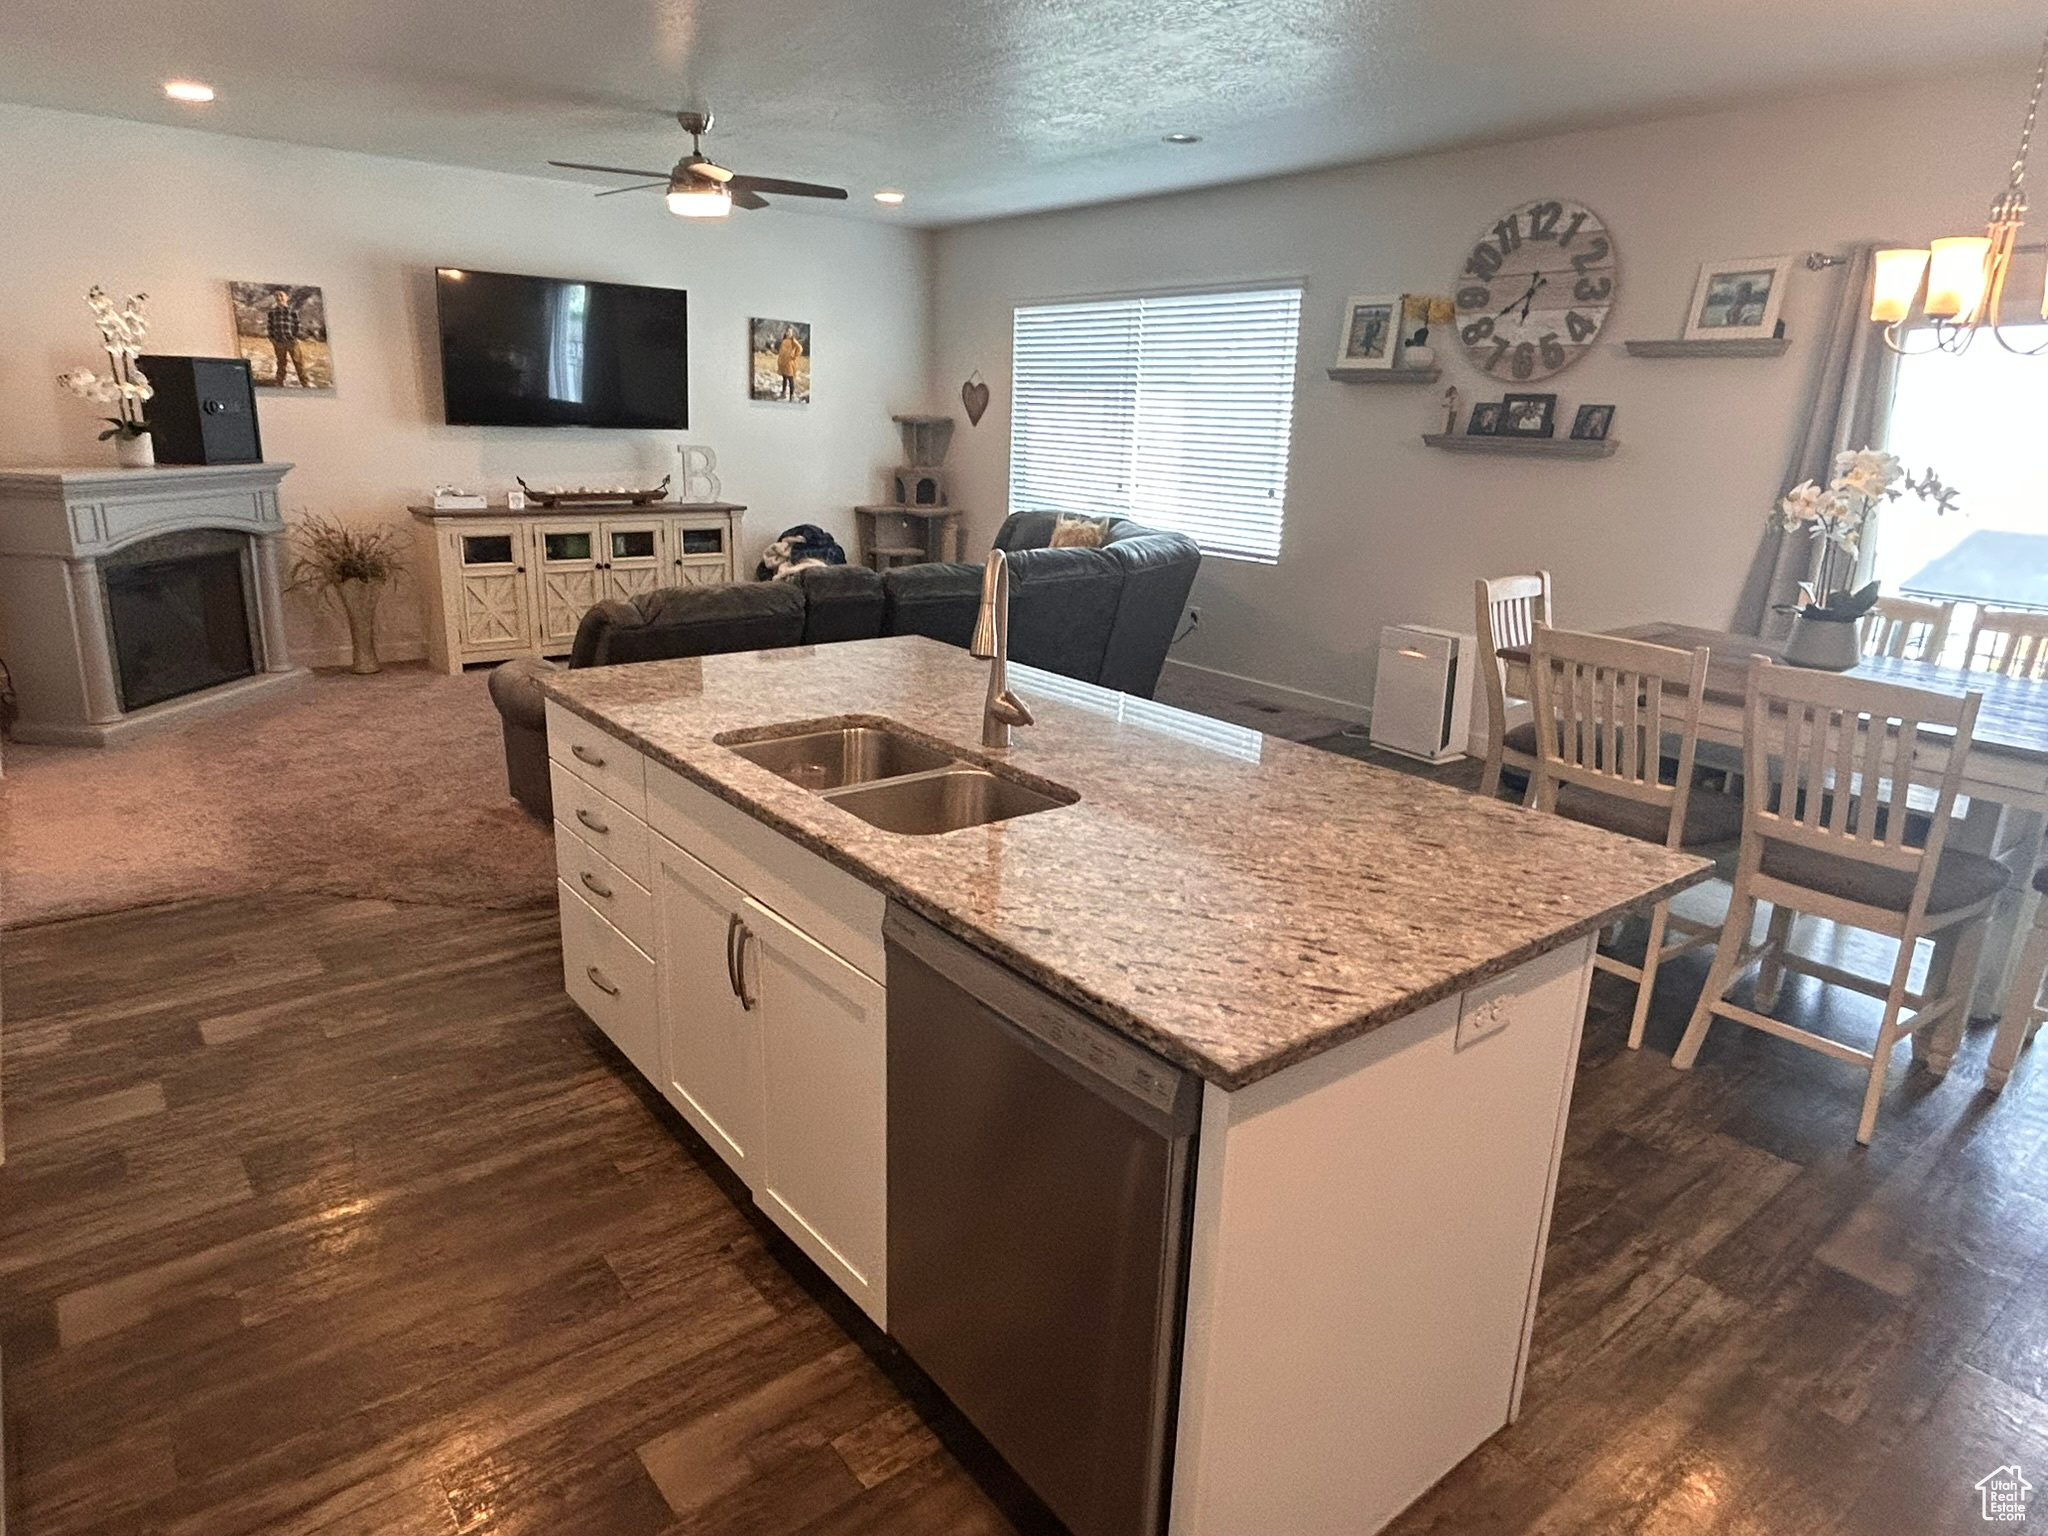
[(974, 396)]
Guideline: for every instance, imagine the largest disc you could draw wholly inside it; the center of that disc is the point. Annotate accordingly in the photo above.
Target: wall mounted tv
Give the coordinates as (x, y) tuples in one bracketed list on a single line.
[(546, 352)]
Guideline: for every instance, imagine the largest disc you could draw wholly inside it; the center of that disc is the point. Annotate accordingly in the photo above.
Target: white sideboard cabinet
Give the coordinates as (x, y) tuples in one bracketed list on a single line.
[(507, 583)]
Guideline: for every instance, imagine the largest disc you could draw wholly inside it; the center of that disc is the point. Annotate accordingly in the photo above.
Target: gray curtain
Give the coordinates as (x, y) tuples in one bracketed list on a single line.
[(1851, 392)]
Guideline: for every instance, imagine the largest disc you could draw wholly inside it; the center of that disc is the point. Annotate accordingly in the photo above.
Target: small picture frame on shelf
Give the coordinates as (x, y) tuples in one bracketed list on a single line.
[(1372, 332), (1738, 299), (1592, 424), (1485, 420), (1527, 416)]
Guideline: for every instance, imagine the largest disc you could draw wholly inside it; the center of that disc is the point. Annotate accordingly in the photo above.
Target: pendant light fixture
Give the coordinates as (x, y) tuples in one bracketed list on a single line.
[(1964, 276)]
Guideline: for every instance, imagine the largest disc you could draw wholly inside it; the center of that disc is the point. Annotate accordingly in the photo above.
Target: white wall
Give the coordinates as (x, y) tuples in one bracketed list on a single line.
[(178, 213), (1382, 529)]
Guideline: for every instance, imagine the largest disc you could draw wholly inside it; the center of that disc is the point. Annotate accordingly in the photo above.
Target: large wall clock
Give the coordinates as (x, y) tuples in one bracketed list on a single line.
[(1535, 290)]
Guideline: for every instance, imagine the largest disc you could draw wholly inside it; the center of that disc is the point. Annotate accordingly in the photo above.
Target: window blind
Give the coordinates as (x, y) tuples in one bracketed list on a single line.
[(1175, 411)]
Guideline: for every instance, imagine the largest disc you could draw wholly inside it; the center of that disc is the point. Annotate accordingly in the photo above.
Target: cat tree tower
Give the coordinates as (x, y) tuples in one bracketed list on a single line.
[(917, 523)]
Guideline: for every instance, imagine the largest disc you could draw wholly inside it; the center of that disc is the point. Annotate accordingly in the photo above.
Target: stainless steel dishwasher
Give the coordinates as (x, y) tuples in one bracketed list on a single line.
[(1040, 1177)]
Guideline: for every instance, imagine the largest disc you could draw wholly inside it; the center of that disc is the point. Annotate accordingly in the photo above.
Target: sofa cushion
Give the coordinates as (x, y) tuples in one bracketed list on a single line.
[(515, 688), (691, 621), (937, 601), (842, 602), (1063, 607)]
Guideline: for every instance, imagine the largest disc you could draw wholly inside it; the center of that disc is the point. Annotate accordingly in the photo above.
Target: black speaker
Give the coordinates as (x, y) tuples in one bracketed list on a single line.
[(203, 411)]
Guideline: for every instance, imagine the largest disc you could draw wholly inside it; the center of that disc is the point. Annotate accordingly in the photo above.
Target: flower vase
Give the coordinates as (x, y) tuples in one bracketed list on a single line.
[(1824, 644), (359, 604), (137, 452)]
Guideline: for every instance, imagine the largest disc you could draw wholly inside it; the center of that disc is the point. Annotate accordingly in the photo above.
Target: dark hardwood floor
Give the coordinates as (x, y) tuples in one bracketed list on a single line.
[(334, 1216)]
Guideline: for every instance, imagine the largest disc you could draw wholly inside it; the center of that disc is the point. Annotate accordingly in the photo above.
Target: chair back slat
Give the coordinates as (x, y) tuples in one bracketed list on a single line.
[(1505, 612), (1907, 628), (1838, 749), (1600, 718), (2009, 641)]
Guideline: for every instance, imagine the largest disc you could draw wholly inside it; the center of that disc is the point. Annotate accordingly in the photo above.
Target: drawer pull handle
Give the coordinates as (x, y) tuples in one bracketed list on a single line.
[(583, 754), (591, 822), (732, 975), (596, 886), (740, 969), (597, 980)]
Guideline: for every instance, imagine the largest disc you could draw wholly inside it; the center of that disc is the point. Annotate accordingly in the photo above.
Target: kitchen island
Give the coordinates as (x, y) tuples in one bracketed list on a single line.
[(1373, 985)]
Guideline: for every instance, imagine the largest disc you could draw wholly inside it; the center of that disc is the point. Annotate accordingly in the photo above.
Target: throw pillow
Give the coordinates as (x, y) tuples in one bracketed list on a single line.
[(1072, 532)]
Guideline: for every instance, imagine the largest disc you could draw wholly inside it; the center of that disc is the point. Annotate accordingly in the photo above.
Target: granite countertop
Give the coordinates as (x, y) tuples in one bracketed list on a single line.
[(1235, 902)]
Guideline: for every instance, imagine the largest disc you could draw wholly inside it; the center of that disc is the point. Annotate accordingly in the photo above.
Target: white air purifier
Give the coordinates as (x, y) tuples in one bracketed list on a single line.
[(1422, 697)]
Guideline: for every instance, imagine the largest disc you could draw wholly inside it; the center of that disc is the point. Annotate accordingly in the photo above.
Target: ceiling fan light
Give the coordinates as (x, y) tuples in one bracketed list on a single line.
[(889, 197), (1956, 278), (1895, 284), (700, 201)]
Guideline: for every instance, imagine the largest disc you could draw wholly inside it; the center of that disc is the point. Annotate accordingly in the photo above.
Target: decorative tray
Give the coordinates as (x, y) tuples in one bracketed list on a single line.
[(590, 498)]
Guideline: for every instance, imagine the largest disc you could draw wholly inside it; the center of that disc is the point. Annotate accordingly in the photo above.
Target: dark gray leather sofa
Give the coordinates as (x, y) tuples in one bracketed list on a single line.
[(1102, 615)]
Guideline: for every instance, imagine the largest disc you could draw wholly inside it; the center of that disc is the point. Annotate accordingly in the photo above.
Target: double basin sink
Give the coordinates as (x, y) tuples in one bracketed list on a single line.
[(894, 780)]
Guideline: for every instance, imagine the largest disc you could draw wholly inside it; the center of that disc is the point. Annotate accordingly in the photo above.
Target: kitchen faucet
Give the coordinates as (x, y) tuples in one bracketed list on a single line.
[(991, 643)]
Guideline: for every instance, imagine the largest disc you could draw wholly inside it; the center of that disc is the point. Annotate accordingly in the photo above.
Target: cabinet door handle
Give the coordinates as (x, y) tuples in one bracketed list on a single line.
[(591, 822), (597, 980), (732, 975), (740, 968), (596, 886), (583, 754)]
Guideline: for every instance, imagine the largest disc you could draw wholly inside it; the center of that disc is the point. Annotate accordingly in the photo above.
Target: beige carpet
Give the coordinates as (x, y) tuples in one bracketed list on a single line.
[(390, 786)]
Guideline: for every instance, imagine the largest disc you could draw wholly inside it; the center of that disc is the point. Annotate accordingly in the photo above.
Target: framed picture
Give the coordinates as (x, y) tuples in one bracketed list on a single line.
[(1485, 420), (1738, 300), (1592, 423), (1527, 415), (780, 363), (281, 328), (1372, 334)]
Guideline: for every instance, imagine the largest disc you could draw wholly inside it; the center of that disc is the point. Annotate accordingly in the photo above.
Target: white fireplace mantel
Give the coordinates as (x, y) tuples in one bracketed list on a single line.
[(56, 525)]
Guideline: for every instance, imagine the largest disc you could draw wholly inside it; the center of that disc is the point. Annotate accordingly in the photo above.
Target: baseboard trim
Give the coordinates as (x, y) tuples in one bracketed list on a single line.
[(1279, 693), (342, 656)]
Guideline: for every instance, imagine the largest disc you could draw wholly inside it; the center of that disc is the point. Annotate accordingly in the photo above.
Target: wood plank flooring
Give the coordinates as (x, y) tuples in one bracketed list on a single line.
[(327, 1216)]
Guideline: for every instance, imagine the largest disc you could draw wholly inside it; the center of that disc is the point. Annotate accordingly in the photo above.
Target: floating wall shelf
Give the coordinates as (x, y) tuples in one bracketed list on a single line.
[(1534, 447), (1345, 373), (1760, 346)]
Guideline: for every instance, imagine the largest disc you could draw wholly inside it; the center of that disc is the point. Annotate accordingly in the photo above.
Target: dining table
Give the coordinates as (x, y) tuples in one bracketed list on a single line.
[(2005, 779)]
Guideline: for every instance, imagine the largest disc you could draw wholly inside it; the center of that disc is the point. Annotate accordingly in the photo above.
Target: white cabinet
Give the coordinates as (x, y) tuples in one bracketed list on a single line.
[(825, 1056), (740, 974), (508, 584), (711, 1040)]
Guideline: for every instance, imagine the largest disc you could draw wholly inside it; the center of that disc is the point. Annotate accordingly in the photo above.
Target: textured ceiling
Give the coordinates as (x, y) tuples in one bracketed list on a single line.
[(975, 107)]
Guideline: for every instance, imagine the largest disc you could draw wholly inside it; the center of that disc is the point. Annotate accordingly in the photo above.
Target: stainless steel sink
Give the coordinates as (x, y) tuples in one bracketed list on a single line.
[(945, 801), (854, 754)]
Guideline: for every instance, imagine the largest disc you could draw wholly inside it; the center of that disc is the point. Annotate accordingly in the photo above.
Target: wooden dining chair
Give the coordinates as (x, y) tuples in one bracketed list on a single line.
[(1605, 711), (1506, 610), (1831, 837), (2009, 640), (1908, 628), (2025, 1008)]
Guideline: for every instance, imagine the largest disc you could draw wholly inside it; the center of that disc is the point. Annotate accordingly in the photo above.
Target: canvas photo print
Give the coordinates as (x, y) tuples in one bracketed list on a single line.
[(781, 360), (1372, 334), (281, 329)]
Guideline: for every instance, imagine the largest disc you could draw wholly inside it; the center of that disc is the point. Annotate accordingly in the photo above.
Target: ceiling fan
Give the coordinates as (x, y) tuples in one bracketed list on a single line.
[(700, 188)]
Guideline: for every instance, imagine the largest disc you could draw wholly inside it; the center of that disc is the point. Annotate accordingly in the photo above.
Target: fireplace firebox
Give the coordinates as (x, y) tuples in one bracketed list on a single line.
[(178, 614)]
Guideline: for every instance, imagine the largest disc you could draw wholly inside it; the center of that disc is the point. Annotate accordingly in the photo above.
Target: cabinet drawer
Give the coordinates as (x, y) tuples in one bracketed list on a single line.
[(600, 760), (611, 980), (609, 827), (622, 901)]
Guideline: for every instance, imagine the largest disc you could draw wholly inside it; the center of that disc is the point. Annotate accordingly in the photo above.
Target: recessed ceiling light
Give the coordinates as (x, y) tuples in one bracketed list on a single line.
[(889, 197), (188, 91), (1180, 138)]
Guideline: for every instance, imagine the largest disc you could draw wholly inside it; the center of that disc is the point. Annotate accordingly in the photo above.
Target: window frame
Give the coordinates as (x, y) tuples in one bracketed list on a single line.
[(1129, 504)]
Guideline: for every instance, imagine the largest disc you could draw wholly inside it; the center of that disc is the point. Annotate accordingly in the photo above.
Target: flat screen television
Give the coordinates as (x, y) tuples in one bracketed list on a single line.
[(547, 352)]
